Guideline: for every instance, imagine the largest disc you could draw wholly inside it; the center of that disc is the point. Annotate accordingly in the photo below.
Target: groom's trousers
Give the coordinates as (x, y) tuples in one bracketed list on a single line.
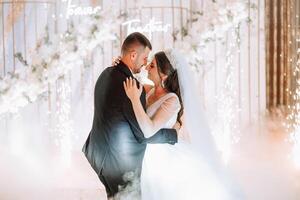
[(111, 189), (115, 183)]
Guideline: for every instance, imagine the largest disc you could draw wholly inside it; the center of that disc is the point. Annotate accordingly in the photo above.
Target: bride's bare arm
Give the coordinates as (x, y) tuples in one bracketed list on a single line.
[(165, 112)]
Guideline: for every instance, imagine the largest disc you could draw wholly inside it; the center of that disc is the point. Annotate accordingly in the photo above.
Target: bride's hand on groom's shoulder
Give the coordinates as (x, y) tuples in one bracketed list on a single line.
[(132, 90), (116, 61)]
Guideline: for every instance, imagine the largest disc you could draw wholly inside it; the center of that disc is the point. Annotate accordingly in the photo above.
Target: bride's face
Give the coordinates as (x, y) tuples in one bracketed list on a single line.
[(153, 73)]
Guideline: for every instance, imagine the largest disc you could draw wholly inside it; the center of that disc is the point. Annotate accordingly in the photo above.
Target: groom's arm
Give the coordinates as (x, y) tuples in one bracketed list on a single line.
[(161, 136), (169, 135)]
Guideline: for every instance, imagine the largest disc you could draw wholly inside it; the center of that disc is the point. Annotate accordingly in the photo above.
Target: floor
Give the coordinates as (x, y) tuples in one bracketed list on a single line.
[(260, 162)]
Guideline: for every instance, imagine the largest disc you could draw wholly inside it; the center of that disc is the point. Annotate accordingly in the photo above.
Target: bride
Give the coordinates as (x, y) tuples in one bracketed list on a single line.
[(190, 169)]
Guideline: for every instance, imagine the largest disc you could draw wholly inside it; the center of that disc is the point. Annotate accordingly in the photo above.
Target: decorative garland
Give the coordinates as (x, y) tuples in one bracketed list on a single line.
[(53, 58), (209, 27)]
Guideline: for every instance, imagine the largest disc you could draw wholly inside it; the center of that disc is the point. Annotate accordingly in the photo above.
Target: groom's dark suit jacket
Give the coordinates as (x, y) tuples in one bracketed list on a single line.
[(116, 143)]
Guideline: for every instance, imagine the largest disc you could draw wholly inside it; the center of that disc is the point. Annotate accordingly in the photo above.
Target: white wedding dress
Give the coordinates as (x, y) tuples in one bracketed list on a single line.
[(175, 172)]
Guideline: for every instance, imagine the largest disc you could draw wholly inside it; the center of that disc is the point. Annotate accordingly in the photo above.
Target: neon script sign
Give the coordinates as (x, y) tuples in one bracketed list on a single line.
[(151, 27), (73, 9)]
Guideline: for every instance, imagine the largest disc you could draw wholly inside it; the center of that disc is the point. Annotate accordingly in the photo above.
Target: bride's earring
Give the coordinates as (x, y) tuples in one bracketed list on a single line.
[(162, 84)]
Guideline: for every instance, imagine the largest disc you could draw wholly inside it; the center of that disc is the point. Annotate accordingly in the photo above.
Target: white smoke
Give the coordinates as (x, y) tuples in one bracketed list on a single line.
[(132, 189)]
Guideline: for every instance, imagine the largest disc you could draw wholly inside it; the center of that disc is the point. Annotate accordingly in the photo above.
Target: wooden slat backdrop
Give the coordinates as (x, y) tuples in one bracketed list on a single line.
[(22, 23), (250, 61), (282, 24)]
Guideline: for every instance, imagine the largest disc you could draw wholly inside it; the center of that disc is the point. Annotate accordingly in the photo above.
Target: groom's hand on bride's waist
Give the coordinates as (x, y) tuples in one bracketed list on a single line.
[(177, 126), (180, 133)]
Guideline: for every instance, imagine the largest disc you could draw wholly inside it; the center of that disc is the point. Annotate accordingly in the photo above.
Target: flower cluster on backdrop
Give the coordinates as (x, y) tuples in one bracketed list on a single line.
[(207, 27), (53, 57)]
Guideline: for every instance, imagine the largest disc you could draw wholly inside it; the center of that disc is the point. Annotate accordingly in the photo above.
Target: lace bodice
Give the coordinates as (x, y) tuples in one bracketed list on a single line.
[(164, 111)]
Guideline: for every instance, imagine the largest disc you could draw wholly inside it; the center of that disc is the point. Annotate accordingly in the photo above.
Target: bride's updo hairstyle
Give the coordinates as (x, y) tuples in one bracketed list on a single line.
[(171, 83)]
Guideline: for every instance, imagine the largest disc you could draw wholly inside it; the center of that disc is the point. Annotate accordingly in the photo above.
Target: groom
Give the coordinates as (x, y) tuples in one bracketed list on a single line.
[(116, 145)]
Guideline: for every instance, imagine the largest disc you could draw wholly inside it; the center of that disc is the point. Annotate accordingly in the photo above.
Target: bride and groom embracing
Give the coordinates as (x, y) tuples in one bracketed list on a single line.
[(140, 145)]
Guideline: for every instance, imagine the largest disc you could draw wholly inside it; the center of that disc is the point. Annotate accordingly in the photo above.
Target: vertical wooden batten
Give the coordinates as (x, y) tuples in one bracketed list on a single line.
[(281, 51)]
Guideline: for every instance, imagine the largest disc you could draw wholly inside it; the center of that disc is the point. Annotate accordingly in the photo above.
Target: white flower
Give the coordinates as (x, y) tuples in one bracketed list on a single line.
[(53, 60)]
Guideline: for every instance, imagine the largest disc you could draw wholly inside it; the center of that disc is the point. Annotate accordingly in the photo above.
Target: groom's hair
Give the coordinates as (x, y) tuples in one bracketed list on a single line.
[(135, 39)]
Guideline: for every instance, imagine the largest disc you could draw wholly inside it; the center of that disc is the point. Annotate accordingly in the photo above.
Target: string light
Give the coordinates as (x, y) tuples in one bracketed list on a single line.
[(293, 119), (64, 124), (226, 131)]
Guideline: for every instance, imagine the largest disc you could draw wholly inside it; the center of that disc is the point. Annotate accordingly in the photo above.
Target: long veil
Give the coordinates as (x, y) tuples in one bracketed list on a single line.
[(195, 123)]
